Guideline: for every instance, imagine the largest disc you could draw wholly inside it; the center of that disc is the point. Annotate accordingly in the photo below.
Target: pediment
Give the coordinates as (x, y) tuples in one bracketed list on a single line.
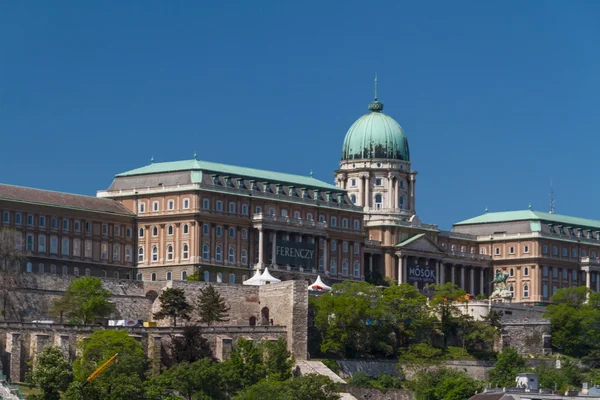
[(421, 243)]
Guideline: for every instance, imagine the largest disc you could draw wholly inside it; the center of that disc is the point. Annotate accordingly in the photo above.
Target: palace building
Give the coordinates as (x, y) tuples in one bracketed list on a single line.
[(167, 220)]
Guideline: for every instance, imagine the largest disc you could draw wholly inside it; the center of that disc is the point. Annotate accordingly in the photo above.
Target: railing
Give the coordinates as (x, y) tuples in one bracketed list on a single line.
[(303, 223), (470, 256), (456, 235), (372, 243), (589, 260)]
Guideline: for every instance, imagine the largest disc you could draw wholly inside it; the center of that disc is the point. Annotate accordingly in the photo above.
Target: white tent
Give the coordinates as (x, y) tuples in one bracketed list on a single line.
[(266, 277), (254, 280), (319, 285)]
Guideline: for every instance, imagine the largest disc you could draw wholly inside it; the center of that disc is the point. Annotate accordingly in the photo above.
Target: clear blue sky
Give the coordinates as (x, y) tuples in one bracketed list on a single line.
[(496, 97)]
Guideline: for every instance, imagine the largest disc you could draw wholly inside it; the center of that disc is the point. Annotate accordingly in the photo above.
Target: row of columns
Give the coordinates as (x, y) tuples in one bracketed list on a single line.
[(393, 190)]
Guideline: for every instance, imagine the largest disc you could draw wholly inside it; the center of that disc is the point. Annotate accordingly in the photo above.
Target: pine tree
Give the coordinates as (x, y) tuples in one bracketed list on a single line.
[(211, 306), (173, 304)]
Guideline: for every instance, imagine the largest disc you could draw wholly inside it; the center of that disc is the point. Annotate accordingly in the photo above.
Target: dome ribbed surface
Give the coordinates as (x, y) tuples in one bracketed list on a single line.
[(375, 135)]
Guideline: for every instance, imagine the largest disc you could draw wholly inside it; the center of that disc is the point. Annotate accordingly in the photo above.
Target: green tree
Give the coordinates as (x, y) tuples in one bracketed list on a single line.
[(420, 357), (52, 373), (122, 380), (190, 381), (245, 367), (278, 361), (444, 384), (445, 302), (348, 320), (306, 387), (508, 365), (189, 347), (211, 306), (173, 304), (84, 300)]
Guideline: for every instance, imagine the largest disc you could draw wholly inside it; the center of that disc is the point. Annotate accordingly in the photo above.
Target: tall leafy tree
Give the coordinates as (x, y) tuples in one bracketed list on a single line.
[(444, 384), (173, 304), (11, 253), (122, 380), (445, 302), (84, 300), (508, 365), (52, 373), (405, 309), (278, 361), (190, 346), (306, 387), (211, 306)]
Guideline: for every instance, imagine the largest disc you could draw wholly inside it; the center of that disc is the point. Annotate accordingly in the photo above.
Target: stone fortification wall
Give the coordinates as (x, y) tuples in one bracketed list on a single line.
[(21, 342), (527, 337), (510, 311), (286, 303)]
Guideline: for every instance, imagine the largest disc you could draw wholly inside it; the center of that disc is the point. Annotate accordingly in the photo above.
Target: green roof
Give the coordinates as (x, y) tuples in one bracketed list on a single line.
[(410, 240), (530, 215), (224, 169)]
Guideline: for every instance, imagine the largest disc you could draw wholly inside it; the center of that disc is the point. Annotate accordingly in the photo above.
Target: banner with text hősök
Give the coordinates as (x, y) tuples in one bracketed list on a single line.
[(300, 254), (421, 273)]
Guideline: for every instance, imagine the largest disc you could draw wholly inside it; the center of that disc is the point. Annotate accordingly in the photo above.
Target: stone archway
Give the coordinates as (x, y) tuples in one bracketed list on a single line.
[(264, 316)]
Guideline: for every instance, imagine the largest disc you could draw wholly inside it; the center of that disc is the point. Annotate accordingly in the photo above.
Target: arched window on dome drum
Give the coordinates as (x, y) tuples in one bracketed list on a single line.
[(353, 198), (378, 200), (401, 202)]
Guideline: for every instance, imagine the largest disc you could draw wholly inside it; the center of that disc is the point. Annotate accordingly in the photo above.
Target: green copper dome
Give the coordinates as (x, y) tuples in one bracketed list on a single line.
[(375, 135)]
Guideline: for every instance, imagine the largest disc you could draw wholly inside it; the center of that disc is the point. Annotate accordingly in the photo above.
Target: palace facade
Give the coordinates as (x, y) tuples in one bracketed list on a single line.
[(168, 220)]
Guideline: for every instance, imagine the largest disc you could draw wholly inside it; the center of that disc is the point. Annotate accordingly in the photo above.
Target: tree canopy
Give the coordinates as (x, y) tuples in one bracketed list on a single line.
[(84, 300), (211, 306), (52, 373), (173, 304)]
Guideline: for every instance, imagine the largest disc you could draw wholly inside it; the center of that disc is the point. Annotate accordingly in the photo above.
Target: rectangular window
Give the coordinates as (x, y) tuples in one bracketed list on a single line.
[(171, 204), (88, 249), (206, 204), (141, 207), (128, 253), (65, 223), (42, 222), (555, 272), (104, 251), (565, 252), (41, 243), (64, 248), (377, 181), (497, 251), (6, 217), (186, 204), (77, 247), (353, 182), (554, 250), (117, 230), (356, 225), (511, 250), (29, 242), (244, 209), (155, 206), (526, 249), (219, 205), (334, 221), (77, 226), (128, 232), (53, 245), (30, 220), (232, 207), (116, 252), (258, 209), (105, 229), (345, 223), (18, 219), (54, 223), (574, 253), (88, 227), (545, 249)]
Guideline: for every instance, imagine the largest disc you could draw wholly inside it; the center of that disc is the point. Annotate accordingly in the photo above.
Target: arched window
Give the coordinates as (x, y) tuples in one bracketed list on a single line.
[(29, 267), (186, 229), (554, 289), (232, 207), (378, 200), (219, 277), (154, 253), (244, 257), (75, 271), (169, 254), (155, 231), (184, 275), (545, 291), (139, 276), (284, 213), (231, 255), (333, 245), (511, 272), (401, 202), (65, 270), (88, 272), (206, 276), (53, 269), (41, 268), (169, 276), (244, 209), (232, 233), (140, 253), (345, 247), (244, 234), (185, 251), (345, 268), (153, 276), (219, 231), (356, 269), (526, 271), (511, 288), (205, 229), (232, 278), (353, 198), (103, 274), (116, 275), (219, 253), (333, 267), (205, 252), (141, 233), (170, 230), (525, 290)]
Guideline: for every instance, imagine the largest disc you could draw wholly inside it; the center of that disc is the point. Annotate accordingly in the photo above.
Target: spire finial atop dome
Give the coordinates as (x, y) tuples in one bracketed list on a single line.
[(376, 106)]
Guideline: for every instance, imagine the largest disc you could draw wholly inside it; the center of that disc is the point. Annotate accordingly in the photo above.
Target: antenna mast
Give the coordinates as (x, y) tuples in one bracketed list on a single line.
[(551, 198)]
